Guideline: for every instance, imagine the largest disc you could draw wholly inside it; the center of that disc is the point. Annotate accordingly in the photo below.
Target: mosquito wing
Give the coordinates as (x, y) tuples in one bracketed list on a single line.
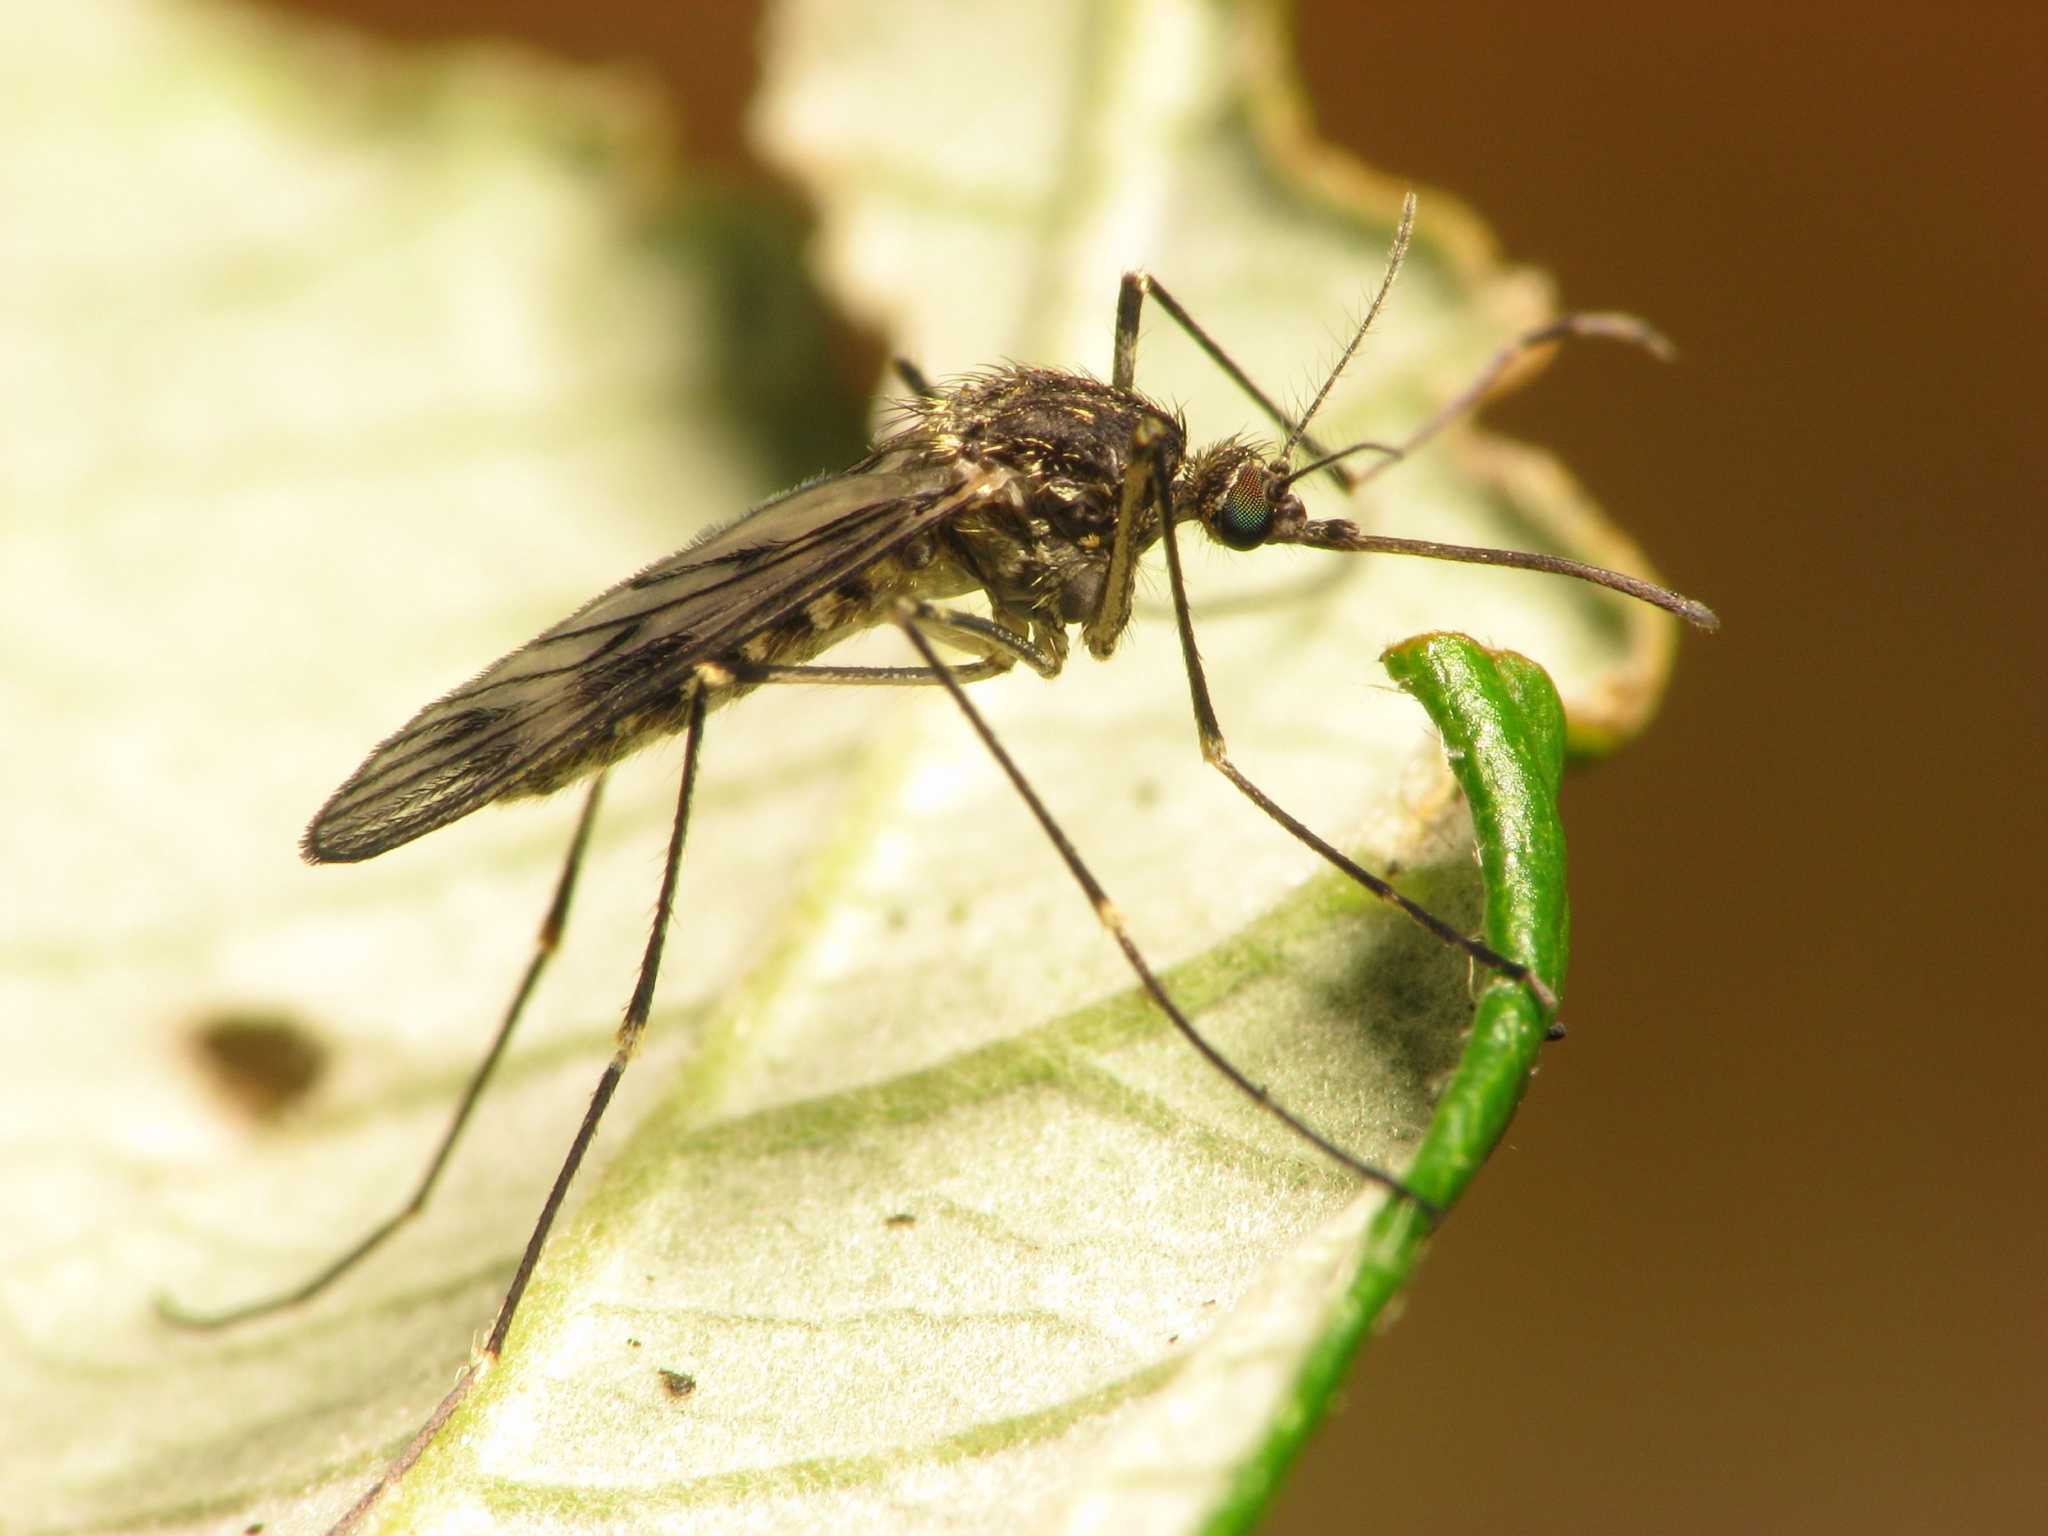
[(553, 707)]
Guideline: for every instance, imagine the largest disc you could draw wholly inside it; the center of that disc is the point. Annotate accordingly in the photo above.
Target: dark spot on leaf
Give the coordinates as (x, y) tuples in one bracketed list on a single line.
[(262, 1062)]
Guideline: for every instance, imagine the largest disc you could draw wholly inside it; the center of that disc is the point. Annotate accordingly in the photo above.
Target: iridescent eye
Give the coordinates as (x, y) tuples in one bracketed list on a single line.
[(1246, 516)]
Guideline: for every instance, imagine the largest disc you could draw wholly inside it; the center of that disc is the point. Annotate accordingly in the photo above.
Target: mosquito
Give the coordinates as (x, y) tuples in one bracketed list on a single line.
[(1038, 489)]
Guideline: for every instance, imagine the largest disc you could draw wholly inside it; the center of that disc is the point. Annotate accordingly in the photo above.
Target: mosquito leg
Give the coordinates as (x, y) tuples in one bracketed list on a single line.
[(1606, 325), (1130, 304), (631, 1027), (997, 645), (1217, 756), (545, 943), (1142, 487), (1043, 653), (870, 677), (1603, 324), (913, 378), (912, 616), (1124, 362)]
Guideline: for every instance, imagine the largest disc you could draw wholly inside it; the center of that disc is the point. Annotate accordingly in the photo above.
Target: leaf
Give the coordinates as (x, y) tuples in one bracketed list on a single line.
[(1504, 736), (342, 371)]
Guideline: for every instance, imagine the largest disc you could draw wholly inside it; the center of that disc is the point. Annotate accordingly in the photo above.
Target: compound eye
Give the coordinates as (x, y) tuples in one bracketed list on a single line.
[(1246, 516)]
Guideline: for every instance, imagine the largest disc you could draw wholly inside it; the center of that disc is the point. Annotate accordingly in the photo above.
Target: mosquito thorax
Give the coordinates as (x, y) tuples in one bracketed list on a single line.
[(1049, 452), (1065, 435)]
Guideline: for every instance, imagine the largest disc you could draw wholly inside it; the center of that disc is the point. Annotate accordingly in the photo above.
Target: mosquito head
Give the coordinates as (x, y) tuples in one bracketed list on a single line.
[(1239, 495), (1245, 498)]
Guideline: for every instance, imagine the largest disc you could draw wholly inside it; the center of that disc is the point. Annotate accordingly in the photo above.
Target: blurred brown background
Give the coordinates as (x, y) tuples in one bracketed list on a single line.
[(1766, 1252)]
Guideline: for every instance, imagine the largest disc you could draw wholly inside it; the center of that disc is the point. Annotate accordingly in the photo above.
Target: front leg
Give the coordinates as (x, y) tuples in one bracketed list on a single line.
[(1217, 755), (1146, 482), (915, 618), (1130, 306)]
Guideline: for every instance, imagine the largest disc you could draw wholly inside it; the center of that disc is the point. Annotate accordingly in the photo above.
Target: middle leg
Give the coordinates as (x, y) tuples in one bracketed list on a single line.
[(912, 617)]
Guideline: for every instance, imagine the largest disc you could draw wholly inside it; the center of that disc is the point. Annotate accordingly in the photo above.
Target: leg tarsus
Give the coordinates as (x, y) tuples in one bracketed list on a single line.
[(630, 1029), (546, 940), (869, 677), (1209, 733), (909, 617)]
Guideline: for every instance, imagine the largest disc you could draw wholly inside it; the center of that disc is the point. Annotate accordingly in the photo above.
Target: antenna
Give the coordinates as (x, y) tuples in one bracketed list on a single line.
[(1394, 258)]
